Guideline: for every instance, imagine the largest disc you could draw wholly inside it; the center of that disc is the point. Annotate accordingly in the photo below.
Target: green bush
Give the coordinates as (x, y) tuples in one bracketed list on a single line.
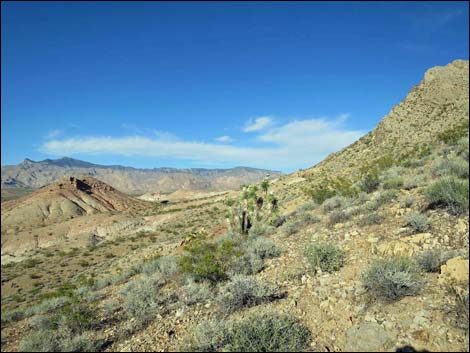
[(244, 291), (418, 222), (320, 193), (202, 262), (232, 254), (432, 260), (325, 256), (449, 193), (393, 278), (262, 332)]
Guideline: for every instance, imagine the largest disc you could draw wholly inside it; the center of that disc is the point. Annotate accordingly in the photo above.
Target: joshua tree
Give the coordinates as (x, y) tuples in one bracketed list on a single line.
[(252, 209)]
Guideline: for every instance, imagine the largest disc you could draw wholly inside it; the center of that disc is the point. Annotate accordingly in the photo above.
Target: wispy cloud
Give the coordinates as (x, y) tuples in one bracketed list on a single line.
[(224, 138), (54, 133), (297, 144), (258, 124)]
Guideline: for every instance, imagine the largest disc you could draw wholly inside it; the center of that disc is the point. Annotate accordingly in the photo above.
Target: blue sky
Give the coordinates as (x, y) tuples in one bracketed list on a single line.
[(275, 85)]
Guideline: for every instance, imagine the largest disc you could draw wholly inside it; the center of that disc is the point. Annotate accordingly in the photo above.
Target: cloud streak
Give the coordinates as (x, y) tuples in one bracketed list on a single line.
[(297, 144), (259, 124)]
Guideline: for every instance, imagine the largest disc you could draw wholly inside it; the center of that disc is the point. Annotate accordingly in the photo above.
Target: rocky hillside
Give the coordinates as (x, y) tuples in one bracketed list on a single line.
[(438, 104), (131, 180)]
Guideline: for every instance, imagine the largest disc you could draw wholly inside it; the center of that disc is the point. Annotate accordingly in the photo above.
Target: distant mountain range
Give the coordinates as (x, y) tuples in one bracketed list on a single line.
[(31, 174)]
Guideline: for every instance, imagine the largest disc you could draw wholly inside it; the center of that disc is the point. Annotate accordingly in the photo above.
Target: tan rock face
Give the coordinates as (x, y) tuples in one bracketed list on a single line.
[(455, 271)]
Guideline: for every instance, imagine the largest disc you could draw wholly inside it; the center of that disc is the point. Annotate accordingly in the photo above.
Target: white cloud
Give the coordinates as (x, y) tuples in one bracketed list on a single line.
[(298, 144), (224, 138), (259, 124)]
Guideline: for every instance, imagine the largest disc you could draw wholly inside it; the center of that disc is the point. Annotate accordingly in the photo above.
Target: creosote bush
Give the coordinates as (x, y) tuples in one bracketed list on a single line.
[(393, 278), (325, 256), (232, 254), (259, 332)]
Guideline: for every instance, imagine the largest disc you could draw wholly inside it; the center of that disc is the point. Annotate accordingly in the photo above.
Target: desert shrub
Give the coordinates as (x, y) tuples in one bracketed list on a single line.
[(393, 183), (47, 305), (244, 291), (264, 248), (308, 206), (451, 167), (325, 256), (202, 262), (418, 222), (393, 278), (414, 181), (369, 182), (320, 193), (371, 218), (462, 148), (40, 341), (372, 205), (232, 254), (261, 332), (166, 265), (361, 198), (247, 264), (386, 197), (339, 216), (193, 293), (290, 227), (40, 322), (454, 134), (142, 297), (449, 193), (407, 202), (432, 260), (333, 203), (62, 341), (260, 229), (84, 342), (459, 168), (305, 219), (76, 316)]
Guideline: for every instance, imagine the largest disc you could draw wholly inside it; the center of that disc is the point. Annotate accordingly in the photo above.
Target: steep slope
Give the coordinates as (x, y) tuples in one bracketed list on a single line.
[(439, 103), (131, 180)]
